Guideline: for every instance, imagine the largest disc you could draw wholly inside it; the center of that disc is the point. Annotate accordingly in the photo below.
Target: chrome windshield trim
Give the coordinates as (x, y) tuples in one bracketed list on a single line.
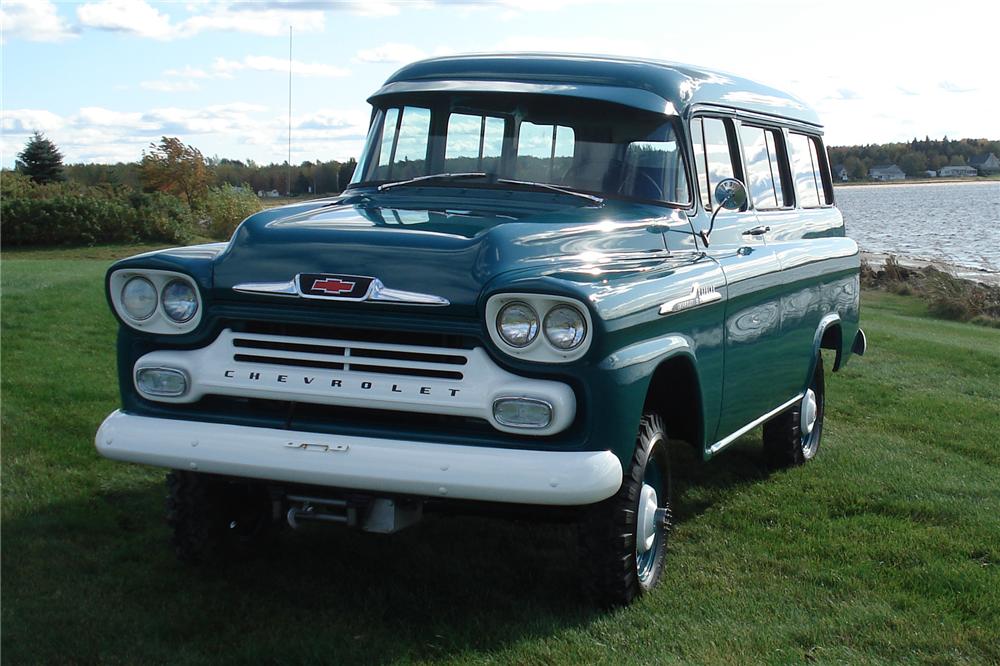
[(378, 292)]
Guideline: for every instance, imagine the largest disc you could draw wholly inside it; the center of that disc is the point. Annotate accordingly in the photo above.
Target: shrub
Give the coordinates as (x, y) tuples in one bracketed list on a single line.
[(227, 206), (62, 214)]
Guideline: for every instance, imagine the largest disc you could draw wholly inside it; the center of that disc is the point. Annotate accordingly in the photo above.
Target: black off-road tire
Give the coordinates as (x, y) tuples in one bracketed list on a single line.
[(608, 530), (214, 519), (784, 443)]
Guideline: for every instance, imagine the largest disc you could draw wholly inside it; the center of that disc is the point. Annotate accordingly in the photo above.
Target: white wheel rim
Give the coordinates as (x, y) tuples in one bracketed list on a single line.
[(646, 527), (807, 415)]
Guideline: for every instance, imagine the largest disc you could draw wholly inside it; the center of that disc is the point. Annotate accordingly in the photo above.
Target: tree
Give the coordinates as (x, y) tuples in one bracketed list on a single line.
[(177, 169), (41, 160), (855, 168), (913, 163)]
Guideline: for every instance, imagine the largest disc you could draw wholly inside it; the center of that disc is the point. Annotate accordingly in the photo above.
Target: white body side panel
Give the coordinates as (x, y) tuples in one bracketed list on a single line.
[(363, 463)]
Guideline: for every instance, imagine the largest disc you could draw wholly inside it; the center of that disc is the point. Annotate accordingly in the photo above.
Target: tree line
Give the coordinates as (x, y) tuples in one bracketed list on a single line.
[(913, 157)]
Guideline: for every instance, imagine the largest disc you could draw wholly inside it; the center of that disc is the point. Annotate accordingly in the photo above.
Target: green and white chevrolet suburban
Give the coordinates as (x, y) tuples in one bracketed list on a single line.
[(545, 269)]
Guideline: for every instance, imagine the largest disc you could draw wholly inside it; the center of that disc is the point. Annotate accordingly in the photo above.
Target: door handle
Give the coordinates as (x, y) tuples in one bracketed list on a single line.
[(757, 231)]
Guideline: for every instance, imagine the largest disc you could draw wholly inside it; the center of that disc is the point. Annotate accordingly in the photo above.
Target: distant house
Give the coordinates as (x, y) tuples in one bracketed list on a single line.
[(269, 194), (985, 163), (930, 173), (952, 171), (840, 172), (886, 172)]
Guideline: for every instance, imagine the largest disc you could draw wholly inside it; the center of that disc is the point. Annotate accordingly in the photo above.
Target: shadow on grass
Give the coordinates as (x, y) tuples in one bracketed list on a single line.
[(95, 581)]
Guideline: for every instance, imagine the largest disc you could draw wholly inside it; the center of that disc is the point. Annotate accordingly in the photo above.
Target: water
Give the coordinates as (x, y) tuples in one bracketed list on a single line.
[(954, 223)]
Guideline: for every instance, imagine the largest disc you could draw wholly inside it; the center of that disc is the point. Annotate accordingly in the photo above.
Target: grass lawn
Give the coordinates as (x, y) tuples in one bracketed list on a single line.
[(886, 548)]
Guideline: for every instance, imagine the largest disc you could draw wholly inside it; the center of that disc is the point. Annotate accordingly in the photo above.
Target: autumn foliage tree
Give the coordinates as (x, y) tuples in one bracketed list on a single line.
[(176, 168)]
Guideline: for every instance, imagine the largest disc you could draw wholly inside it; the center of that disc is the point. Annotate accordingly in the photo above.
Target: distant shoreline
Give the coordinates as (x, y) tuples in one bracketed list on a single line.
[(981, 275), (921, 181)]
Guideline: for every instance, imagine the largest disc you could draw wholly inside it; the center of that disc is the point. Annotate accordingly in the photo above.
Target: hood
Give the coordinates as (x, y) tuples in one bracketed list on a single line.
[(450, 249)]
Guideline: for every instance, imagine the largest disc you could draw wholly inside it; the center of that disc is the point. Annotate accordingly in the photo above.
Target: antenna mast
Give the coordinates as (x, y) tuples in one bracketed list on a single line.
[(288, 189)]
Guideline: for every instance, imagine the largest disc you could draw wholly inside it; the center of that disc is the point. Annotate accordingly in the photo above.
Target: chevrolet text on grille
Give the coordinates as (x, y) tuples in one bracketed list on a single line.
[(365, 385)]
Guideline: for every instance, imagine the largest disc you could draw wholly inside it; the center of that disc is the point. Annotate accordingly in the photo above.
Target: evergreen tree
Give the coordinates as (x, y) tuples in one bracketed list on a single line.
[(41, 160)]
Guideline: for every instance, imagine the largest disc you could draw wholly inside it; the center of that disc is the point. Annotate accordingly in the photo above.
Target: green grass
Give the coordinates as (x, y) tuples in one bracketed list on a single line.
[(885, 549)]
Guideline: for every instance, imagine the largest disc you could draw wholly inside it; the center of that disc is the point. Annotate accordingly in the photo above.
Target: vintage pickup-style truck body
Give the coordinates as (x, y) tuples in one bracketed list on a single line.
[(345, 354)]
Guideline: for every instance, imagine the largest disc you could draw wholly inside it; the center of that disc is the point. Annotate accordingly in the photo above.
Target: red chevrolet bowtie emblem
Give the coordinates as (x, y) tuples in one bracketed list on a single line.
[(333, 286)]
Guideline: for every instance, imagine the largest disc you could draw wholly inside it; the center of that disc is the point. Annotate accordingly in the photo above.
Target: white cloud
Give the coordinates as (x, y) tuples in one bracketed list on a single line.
[(26, 121), (223, 67), (34, 20), (128, 16), (389, 53), (138, 17)]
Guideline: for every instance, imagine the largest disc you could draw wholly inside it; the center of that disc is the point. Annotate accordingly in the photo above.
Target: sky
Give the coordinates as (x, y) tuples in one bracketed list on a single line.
[(103, 79)]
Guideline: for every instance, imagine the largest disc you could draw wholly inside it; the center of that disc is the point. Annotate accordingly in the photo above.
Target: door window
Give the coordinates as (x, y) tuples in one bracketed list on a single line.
[(544, 152), (474, 143), (810, 186)]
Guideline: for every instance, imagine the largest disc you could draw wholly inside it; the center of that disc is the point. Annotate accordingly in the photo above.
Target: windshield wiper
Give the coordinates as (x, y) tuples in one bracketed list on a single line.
[(433, 176), (555, 188)]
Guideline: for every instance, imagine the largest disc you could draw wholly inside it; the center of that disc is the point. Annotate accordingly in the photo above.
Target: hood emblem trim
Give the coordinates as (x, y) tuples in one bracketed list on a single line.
[(377, 292)]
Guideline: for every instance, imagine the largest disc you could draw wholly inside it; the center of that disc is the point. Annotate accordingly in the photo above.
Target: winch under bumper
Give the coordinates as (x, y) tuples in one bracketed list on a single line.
[(560, 478)]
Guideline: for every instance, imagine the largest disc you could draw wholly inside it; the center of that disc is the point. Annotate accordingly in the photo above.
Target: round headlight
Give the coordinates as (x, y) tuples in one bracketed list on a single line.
[(179, 301), (565, 327), (139, 298), (517, 324)]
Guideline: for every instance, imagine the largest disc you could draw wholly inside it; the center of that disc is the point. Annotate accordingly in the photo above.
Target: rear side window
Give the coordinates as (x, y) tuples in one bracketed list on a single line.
[(713, 157), (765, 171), (807, 170)]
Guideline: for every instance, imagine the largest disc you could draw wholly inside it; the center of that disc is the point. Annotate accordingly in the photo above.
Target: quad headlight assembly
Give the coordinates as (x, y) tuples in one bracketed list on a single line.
[(156, 301), (539, 327)]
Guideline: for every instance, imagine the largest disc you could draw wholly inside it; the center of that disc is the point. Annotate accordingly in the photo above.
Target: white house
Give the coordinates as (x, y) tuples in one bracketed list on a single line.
[(952, 171), (886, 172)]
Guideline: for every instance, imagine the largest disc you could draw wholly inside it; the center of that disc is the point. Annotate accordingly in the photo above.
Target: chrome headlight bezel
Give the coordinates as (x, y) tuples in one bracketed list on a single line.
[(158, 321), (540, 348)]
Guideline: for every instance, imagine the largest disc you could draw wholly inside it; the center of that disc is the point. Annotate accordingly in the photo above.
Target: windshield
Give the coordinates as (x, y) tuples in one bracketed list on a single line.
[(583, 145)]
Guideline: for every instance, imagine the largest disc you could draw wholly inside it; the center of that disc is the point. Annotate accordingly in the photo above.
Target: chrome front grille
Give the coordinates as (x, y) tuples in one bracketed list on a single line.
[(349, 356)]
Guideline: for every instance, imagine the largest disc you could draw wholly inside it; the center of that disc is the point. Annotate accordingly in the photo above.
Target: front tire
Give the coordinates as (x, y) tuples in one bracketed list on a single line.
[(214, 518), (624, 538), (792, 438)]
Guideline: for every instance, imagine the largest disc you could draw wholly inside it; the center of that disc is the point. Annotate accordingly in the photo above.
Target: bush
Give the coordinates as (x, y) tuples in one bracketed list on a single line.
[(64, 214), (227, 206)]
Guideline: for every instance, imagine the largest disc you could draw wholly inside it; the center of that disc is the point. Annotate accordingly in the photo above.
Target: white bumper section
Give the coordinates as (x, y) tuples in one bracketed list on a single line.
[(364, 463)]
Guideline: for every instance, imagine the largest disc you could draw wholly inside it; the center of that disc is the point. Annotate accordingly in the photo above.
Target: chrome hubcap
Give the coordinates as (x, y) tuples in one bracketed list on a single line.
[(646, 527), (807, 415)]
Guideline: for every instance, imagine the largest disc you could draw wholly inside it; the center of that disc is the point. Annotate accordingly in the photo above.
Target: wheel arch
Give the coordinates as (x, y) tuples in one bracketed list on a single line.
[(829, 335), (674, 392)]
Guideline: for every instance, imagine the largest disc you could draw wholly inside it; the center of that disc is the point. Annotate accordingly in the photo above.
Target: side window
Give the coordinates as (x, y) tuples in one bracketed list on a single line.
[(403, 150), (544, 152), (810, 185), (474, 143), (765, 171), (716, 163)]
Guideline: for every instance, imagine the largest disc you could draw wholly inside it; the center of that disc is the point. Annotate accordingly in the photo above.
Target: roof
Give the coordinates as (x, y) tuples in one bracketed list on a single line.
[(654, 85), (885, 167), (981, 159)]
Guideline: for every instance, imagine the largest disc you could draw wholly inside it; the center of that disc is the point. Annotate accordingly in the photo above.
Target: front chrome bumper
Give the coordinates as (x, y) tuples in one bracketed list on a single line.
[(563, 478)]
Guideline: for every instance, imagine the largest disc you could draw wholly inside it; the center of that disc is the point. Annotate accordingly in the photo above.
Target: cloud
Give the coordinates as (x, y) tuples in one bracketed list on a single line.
[(951, 87), (389, 53), (188, 72), (128, 16), (34, 20), (26, 121), (223, 67), (138, 17)]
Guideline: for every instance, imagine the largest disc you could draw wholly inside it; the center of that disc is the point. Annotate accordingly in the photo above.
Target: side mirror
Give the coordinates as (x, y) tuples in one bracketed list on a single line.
[(730, 194)]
